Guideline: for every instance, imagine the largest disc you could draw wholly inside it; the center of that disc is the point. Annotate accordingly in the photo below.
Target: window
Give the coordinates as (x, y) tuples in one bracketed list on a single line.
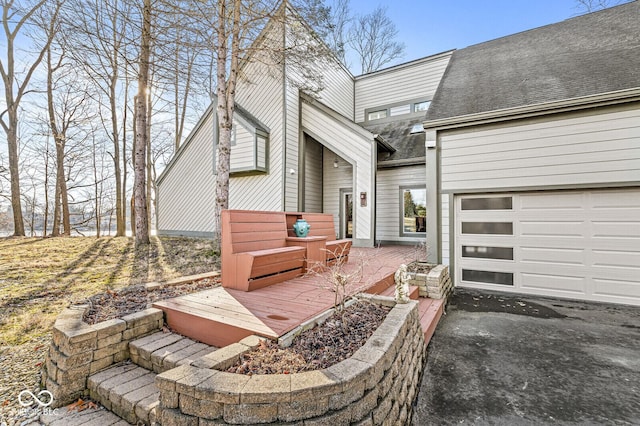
[(421, 106), (499, 228), (377, 115), (414, 211), (490, 277), (487, 203), (482, 252)]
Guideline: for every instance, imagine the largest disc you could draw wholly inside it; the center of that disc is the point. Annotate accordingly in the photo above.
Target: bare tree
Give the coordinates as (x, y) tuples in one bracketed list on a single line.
[(98, 33), (142, 134), (373, 38), (587, 6), (14, 17)]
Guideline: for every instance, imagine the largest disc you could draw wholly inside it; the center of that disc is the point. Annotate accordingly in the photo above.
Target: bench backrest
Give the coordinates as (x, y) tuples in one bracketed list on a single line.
[(246, 230), (321, 225)]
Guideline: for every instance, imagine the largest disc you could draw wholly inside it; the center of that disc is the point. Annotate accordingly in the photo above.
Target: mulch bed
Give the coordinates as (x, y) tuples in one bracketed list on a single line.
[(335, 340), (339, 337), (116, 304)]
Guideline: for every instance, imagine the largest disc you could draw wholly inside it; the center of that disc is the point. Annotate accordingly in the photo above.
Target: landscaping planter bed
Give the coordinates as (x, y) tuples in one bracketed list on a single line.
[(79, 349), (376, 384)]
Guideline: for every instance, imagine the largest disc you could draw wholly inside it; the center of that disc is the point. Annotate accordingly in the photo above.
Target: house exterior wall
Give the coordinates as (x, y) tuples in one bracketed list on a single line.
[(417, 79), (354, 145), (313, 171), (595, 147), (445, 229), (388, 209), (335, 180), (338, 88), (242, 149), (260, 92), (589, 149), (185, 208)]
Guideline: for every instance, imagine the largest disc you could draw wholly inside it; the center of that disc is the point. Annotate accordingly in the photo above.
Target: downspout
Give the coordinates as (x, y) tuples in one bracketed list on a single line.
[(283, 206)]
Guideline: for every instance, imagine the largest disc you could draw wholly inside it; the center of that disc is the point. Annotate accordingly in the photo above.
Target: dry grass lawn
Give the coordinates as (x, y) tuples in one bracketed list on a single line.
[(39, 277)]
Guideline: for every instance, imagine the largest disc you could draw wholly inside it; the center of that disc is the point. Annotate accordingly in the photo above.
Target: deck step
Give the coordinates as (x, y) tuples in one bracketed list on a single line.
[(414, 292), (161, 351), (127, 390), (430, 312)]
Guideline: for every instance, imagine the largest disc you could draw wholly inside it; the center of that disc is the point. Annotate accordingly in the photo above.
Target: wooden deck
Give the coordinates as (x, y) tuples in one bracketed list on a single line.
[(222, 316)]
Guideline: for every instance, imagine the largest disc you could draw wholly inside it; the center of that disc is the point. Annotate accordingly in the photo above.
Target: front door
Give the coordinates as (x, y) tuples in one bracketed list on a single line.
[(347, 214)]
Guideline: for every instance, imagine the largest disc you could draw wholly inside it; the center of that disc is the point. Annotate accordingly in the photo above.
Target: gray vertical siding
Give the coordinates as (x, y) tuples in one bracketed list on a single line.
[(401, 83)]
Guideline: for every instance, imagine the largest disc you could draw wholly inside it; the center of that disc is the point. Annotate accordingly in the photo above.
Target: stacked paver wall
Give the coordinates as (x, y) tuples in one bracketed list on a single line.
[(78, 349), (436, 284), (377, 385)]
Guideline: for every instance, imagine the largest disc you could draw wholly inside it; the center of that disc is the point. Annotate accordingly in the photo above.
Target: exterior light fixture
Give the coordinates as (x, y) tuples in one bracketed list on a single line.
[(335, 163)]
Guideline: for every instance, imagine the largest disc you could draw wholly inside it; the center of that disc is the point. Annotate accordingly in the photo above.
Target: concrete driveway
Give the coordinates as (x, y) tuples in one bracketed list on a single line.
[(505, 360)]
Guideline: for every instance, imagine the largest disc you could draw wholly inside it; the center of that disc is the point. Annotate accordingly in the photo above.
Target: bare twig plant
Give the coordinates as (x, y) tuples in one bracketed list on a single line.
[(346, 279)]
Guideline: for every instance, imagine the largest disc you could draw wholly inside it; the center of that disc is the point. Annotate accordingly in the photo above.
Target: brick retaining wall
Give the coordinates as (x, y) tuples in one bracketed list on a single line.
[(377, 385), (78, 349)]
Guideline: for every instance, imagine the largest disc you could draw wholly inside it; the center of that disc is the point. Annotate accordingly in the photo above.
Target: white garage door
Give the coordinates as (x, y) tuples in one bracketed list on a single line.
[(580, 245)]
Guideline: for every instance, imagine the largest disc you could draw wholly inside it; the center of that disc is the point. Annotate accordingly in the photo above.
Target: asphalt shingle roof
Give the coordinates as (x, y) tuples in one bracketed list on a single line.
[(586, 55), (398, 134)]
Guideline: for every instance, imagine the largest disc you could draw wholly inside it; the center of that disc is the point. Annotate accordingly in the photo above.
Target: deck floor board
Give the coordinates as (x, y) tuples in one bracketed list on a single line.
[(277, 309)]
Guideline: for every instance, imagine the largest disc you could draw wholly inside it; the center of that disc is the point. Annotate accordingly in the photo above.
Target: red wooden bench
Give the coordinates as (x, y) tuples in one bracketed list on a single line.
[(255, 252), (322, 226)]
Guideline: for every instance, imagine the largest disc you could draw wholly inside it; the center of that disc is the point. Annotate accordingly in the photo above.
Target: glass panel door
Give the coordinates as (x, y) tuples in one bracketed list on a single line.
[(347, 209)]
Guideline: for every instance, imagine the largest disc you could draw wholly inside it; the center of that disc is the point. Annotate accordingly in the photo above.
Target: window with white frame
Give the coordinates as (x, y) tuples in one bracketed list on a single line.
[(377, 115), (421, 106), (413, 206)]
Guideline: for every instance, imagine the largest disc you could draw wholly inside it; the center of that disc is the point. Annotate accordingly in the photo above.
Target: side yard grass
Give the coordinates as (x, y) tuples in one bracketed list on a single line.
[(41, 276)]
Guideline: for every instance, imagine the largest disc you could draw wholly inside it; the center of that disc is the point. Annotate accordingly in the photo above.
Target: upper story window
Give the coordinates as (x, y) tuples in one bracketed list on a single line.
[(421, 106), (411, 108), (377, 115)]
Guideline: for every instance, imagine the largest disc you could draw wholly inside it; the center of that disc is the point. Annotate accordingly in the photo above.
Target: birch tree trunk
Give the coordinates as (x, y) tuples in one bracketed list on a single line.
[(225, 108), (139, 187)]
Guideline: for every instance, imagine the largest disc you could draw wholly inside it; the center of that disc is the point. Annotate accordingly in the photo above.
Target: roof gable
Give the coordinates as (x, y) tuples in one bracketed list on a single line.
[(582, 56)]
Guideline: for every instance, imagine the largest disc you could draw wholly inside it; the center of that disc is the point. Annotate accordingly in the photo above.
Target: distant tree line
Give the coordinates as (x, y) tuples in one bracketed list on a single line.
[(99, 94)]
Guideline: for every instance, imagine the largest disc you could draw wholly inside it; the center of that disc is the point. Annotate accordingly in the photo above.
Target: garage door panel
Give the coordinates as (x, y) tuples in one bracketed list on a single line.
[(621, 229), (552, 228), (562, 256), (581, 244), (553, 283), (571, 243), (617, 259), (628, 290), (546, 202), (615, 199)]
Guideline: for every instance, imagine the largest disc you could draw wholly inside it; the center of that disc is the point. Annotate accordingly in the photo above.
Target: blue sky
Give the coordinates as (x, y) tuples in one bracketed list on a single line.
[(432, 26)]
